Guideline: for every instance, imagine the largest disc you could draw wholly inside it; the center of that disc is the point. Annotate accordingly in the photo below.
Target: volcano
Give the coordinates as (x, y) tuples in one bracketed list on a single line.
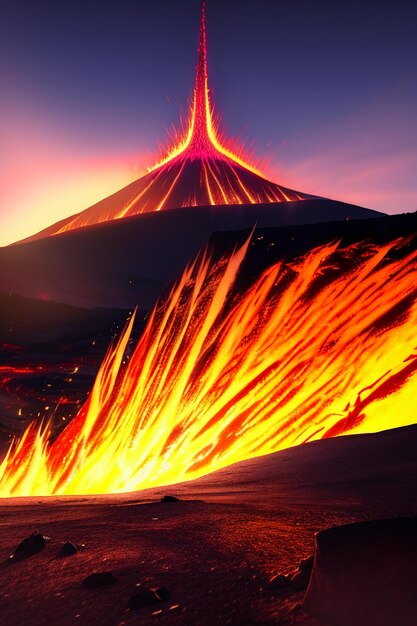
[(155, 225), (200, 170)]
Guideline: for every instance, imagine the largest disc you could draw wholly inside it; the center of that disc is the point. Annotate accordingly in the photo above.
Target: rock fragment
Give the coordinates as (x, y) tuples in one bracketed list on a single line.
[(299, 581), (280, 581), (68, 549), (168, 499), (146, 597), (29, 546), (306, 565), (98, 579), (301, 578)]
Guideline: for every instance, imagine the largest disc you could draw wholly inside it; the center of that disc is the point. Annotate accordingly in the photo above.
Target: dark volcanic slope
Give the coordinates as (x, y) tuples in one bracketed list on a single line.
[(24, 321), (130, 261), (186, 179)]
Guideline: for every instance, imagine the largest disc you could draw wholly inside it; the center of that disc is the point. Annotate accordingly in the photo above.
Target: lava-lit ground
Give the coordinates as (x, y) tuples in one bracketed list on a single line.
[(215, 553)]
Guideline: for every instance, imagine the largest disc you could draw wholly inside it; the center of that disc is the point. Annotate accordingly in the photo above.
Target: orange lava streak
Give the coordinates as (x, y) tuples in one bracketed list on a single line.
[(311, 349)]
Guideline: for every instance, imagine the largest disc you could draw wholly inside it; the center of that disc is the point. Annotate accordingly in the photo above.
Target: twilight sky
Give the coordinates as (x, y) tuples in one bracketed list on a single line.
[(324, 93)]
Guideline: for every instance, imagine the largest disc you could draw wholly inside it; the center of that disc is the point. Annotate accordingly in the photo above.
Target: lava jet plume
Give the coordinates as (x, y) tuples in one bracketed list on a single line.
[(314, 348), (198, 171)]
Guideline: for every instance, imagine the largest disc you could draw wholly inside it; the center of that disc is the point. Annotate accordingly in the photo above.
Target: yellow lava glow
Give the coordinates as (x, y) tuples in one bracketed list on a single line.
[(314, 348)]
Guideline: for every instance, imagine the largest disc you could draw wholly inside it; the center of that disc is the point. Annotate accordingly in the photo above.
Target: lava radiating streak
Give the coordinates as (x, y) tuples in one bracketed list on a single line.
[(165, 198), (286, 198), (224, 198), (212, 202), (249, 197), (137, 196), (310, 349)]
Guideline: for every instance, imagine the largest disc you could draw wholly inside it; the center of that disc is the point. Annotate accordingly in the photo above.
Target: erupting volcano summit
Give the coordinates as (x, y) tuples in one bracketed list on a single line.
[(199, 171)]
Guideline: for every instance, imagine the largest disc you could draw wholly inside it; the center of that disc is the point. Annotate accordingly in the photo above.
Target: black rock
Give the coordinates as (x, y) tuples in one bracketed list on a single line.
[(163, 593), (300, 580), (68, 549), (147, 597), (167, 499), (306, 565), (98, 579), (365, 574), (280, 581), (29, 546)]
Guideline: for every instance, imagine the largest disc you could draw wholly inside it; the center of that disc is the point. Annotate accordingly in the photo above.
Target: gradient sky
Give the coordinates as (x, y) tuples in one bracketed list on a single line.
[(324, 92)]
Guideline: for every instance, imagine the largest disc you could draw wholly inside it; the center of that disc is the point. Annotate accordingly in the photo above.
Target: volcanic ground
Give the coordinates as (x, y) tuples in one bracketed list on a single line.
[(216, 550)]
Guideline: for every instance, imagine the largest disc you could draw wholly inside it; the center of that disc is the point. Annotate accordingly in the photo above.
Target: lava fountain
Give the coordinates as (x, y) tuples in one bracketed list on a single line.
[(199, 170), (318, 347)]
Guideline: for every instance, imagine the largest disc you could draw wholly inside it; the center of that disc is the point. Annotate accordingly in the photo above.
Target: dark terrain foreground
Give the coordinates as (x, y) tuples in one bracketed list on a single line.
[(216, 552)]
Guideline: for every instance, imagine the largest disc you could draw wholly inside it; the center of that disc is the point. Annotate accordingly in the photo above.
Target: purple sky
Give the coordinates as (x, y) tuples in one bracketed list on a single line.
[(325, 91)]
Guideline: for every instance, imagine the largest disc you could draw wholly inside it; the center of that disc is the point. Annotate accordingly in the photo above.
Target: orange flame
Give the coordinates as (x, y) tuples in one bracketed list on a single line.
[(310, 350)]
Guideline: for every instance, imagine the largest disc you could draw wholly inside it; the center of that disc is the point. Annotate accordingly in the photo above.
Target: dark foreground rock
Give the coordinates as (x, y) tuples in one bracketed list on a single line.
[(168, 499), (301, 578), (296, 581), (29, 546), (98, 579), (68, 549), (147, 597), (365, 574), (280, 581)]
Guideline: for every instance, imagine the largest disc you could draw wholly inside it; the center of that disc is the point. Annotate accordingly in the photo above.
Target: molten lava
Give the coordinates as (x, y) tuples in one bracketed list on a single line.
[(318, 347), (200, 170)]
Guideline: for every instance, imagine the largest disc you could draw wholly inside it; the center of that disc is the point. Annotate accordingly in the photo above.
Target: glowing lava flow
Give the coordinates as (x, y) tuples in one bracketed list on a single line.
[(200, 170), (310, 350)]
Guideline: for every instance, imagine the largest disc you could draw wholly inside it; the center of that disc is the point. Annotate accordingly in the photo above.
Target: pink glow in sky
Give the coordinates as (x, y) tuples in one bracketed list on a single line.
[(48, 174)]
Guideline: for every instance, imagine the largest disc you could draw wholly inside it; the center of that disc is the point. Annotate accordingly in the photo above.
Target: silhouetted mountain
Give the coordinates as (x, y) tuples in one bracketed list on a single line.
[(127, 262)]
